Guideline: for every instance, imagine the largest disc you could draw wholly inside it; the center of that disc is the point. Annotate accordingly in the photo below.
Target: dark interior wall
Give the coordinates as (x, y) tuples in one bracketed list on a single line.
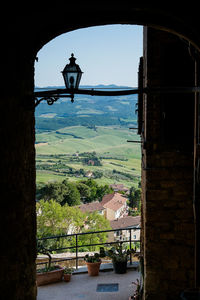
[(17, 185), (167, 168), (173, 66)]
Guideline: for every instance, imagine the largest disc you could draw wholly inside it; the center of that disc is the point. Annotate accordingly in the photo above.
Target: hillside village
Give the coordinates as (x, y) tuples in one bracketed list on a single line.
[(56, 216), (114, 208)]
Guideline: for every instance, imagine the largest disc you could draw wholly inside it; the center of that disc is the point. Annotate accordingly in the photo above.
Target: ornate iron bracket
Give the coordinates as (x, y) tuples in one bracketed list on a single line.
[(51, 99), (52, 96)]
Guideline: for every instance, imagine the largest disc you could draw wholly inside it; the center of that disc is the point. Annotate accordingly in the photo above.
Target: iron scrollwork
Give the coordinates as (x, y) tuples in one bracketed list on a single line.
[(49, 99)]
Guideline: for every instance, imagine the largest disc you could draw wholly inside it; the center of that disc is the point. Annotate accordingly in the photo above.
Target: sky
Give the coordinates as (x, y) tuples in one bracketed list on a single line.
[(106, 55)]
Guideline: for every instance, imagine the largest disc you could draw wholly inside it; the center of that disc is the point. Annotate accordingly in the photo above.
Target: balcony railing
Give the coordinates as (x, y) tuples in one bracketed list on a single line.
[(133, 243)]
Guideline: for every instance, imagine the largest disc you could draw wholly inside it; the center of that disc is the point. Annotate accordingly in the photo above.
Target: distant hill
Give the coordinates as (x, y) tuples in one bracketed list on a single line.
[(87, 110)]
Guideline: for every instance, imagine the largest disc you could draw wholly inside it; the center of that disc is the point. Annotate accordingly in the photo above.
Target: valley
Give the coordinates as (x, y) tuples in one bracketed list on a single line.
[(72, 138)]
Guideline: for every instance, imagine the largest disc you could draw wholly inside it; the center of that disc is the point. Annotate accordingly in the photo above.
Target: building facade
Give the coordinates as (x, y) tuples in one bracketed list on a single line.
[(124, 235)]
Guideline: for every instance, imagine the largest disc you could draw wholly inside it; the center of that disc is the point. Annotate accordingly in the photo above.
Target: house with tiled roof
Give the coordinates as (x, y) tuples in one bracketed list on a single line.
[(93, 206), (127, 222), (115, 205)]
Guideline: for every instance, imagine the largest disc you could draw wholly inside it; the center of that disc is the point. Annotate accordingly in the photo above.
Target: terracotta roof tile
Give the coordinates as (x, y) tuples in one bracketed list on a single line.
[(125, 222), (107, 198), (90, 207), (113, 201)]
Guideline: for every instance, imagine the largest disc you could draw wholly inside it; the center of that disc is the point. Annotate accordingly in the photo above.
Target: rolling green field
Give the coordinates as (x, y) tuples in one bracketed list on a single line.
[(60, 154), (67, 134)]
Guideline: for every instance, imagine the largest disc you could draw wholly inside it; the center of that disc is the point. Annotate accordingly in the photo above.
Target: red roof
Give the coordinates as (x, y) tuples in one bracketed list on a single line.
[(90, 207), (113, 201), (125, 222), (107, 198)]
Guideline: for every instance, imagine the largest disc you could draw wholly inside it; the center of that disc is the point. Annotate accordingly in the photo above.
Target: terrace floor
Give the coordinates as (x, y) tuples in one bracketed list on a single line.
[(83, 286)]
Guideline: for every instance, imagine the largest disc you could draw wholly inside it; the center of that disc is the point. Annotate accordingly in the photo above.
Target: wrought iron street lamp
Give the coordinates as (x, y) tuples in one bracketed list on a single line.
[(72, 74)]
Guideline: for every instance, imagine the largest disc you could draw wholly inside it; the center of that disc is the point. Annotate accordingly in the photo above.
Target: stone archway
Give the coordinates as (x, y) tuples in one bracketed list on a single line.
[(158, 187), (24, 34)]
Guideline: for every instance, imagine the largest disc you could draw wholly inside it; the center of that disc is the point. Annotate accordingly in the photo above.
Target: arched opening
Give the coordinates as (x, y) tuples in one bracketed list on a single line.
[(162, 186), (92, 142)]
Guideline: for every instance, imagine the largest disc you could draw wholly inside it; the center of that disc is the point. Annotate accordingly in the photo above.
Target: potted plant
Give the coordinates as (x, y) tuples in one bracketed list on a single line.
[(49, 274), (119, 257), (93, 263), (137, 293), (67, 274)]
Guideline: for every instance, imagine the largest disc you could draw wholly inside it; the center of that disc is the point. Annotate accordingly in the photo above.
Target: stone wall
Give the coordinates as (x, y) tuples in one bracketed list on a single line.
[(17, 185), (167, 168)]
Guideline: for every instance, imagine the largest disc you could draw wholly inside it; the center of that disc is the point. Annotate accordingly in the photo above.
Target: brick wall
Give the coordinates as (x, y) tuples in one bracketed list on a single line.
[(167, 169)]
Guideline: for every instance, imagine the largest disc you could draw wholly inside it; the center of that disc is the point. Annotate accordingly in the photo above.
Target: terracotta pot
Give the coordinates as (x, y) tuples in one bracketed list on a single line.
[(93, 268), (49, 277), (67, 277)]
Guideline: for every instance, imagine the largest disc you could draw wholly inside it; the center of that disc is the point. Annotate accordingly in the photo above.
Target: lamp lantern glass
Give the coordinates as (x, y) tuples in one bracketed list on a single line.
[(72, 74)]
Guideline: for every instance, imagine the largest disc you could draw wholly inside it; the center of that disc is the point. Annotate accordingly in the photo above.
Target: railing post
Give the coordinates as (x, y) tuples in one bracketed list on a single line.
[(130, 246), (76, 251)]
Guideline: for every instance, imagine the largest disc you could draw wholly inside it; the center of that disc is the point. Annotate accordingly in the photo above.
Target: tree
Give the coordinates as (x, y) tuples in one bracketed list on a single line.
[(52, 191), (74, 218), (93, 186), (62, 192), (102, 190), (135, 199), (50, 218), (84, 191), (95, 222), (96, 191), (54, 220), (71, 195)]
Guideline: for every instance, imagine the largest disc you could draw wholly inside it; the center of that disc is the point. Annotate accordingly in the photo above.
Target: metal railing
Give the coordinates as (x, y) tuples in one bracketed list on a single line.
[(131, 242)]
